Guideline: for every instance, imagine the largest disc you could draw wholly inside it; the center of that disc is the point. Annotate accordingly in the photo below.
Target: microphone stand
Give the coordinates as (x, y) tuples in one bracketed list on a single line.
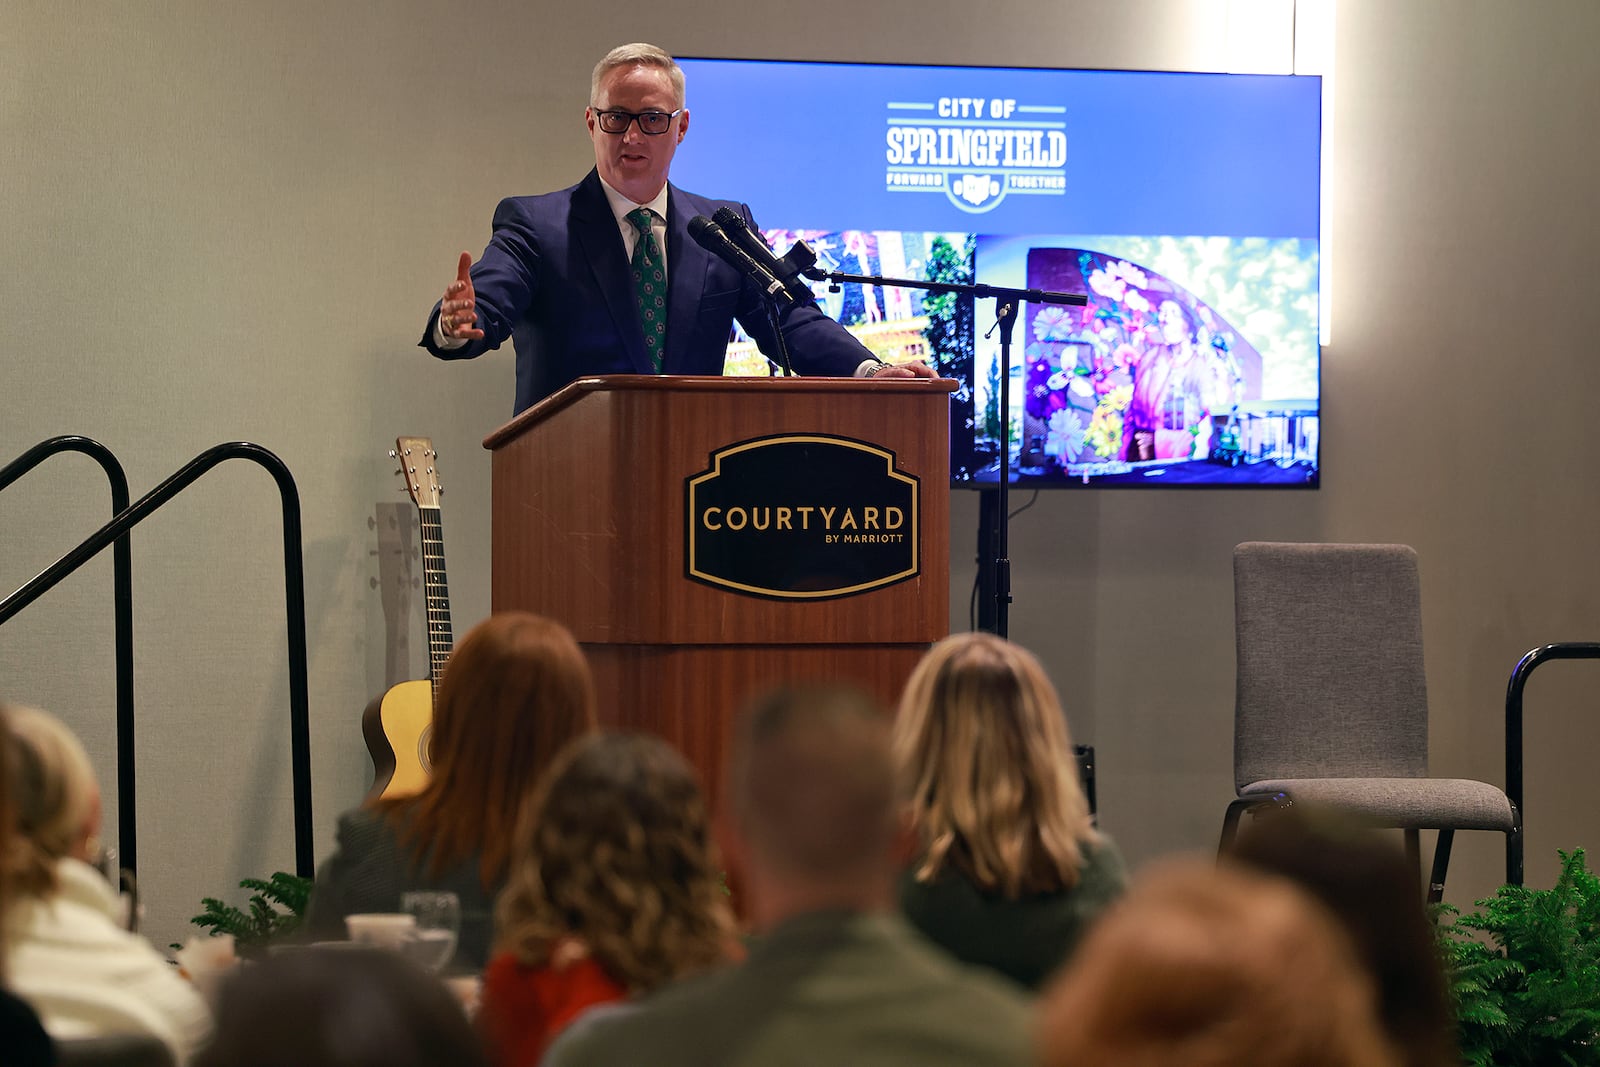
[(1007, 304), (784, 363)]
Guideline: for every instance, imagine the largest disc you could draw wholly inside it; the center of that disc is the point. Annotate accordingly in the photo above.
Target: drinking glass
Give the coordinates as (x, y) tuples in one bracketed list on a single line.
[(438, 917)]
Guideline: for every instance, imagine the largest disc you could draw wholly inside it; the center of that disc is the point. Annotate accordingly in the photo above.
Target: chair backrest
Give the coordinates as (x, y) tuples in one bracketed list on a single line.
[(1330, 672), (113, 1050)]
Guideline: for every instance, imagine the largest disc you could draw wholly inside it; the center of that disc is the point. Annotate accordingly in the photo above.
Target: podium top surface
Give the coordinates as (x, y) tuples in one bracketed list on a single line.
[(702, 384)]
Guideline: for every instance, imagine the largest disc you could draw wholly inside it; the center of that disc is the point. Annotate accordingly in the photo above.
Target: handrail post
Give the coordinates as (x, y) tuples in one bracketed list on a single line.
[(1514, 693), (122, 615), (294, 602)]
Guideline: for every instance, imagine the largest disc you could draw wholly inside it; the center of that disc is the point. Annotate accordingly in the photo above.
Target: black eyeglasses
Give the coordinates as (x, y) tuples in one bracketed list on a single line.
[(651, 122)]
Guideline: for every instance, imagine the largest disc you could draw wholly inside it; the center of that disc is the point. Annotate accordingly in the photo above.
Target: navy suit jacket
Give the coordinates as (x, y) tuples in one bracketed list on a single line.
[(556, 280)]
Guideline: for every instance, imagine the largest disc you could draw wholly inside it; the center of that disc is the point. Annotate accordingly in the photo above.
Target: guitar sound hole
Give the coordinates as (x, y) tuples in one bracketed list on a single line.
[(424, 745)]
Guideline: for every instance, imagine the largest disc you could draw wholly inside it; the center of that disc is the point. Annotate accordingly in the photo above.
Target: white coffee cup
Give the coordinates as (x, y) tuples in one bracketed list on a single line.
[(381, 929)]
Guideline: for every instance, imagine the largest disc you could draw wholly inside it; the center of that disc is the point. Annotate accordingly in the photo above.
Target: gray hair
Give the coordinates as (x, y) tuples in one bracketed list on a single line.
[(638, 54)]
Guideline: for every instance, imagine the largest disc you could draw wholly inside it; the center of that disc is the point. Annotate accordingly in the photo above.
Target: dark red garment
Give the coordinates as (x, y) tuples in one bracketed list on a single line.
[(523, 1008)]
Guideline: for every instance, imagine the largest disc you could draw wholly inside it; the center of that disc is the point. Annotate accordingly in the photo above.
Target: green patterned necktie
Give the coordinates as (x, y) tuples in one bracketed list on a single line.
[(649, 285)]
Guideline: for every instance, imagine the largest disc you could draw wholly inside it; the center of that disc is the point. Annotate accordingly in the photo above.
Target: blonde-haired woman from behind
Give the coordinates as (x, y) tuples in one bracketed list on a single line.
[(67, 953), (21, 1035), (1009, 871)]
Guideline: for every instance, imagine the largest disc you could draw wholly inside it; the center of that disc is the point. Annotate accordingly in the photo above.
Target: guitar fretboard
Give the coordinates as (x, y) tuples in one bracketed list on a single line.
[(437, 592)]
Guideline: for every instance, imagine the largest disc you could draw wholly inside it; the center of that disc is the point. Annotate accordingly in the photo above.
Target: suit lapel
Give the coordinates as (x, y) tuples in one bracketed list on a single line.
[(687, 264), (594, 231)]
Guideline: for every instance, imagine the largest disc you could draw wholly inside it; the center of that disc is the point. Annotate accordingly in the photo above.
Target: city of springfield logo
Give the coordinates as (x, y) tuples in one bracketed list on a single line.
[(976, 150), (801, 517)]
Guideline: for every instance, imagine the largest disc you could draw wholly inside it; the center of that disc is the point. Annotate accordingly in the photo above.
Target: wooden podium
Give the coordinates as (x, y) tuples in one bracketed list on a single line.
[(616, 502)]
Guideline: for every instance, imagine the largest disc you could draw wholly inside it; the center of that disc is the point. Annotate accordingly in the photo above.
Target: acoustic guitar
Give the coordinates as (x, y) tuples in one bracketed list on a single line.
[(398, 726)]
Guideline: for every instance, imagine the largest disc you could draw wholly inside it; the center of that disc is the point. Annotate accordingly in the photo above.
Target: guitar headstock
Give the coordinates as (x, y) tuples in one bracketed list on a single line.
[(419, 466)]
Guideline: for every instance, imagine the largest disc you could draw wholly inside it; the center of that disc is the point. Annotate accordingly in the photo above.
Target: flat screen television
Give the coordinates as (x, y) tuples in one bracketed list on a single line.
[(1186, 207)]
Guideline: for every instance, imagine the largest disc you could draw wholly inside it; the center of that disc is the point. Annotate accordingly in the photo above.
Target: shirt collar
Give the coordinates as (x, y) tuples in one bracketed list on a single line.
[(621, 205)]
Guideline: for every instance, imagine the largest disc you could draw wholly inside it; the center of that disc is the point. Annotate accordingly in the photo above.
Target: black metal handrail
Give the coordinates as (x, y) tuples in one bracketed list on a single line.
[(122, 611), (1519, 681), (294, 602)]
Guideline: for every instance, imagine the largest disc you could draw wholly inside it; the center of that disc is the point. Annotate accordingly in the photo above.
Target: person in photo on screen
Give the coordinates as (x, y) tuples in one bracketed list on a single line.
[(863, 303), (603, 277), (1178, 384)]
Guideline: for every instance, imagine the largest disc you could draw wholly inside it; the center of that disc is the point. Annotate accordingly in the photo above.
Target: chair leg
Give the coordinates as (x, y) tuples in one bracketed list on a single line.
[(1441, 861), (1240, 805), (1230, 822)]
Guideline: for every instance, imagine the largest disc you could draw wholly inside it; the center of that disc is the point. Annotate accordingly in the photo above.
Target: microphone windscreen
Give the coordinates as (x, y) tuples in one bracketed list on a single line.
[(728, 219), (703, 229)]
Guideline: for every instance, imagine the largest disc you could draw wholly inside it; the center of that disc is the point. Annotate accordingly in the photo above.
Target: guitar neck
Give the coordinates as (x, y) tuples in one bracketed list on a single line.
[(436, 590)]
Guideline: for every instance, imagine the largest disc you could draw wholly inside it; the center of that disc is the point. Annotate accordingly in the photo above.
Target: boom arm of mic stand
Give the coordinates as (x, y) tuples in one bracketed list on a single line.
[(978, 289)]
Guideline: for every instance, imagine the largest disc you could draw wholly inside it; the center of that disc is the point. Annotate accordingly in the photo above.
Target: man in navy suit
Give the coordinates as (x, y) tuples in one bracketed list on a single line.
[(565, 277)]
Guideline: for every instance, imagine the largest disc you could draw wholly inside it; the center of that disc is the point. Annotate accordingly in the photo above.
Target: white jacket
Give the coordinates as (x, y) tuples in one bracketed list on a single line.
[(86, 976)]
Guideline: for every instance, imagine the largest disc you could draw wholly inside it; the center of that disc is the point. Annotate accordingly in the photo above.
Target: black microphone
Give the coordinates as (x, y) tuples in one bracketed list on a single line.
[(734, 226), (710, 236)]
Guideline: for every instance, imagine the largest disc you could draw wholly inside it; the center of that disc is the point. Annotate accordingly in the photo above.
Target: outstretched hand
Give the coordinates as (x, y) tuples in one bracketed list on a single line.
[(458, 311)]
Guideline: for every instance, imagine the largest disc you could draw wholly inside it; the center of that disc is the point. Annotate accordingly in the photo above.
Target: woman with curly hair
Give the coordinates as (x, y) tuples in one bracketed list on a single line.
[(614, 892), (1009, 870)]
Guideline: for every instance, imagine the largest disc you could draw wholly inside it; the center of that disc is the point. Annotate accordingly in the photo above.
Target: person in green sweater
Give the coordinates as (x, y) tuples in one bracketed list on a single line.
[(1009, 871)]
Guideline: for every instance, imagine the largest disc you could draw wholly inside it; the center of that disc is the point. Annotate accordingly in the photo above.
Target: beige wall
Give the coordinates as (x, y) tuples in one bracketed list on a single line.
[(225, 221)]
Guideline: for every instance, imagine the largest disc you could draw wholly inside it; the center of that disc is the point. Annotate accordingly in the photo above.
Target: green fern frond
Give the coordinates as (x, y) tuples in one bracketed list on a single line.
[(1525, 972), (276, 908)]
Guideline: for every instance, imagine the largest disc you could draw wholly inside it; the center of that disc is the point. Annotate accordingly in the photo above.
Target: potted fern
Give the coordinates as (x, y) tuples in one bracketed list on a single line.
[(1525, 972), (275, 909)]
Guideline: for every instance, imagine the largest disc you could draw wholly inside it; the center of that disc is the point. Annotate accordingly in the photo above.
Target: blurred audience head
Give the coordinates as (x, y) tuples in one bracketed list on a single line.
[(344, 1008), (8, 830), (811, 784), (1201, 966), (54, 797), (614, 852), (515, 691), (988, 769), (1366, 881)]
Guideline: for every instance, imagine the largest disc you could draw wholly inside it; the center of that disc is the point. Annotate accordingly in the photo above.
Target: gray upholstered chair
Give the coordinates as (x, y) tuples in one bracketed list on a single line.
[(1332, 703)]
